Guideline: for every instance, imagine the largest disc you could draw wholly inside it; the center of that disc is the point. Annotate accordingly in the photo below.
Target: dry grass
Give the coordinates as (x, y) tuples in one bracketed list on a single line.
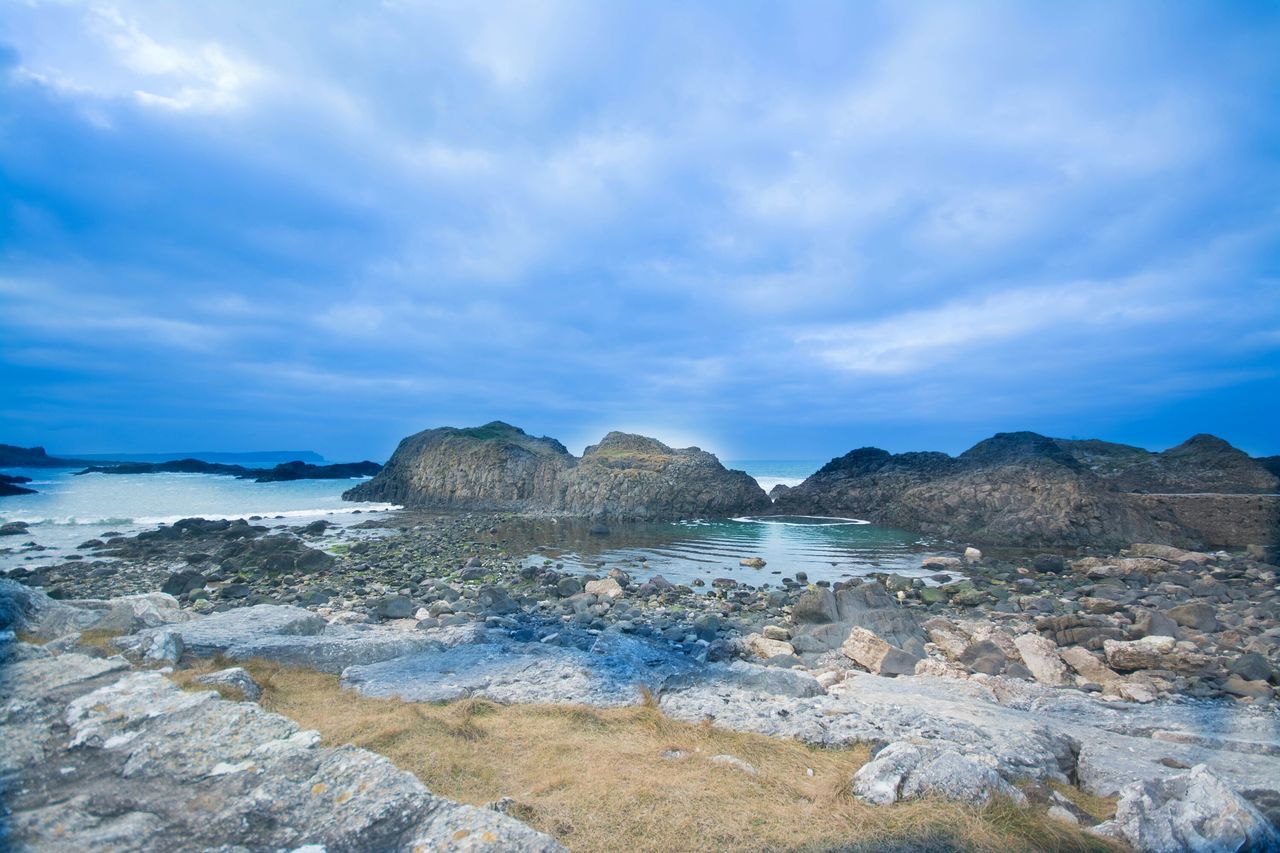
[(598, 779)]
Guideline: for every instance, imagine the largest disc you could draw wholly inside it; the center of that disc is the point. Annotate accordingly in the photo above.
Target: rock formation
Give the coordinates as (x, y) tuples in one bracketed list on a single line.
[(1202, 463), (500, 467), (285, 471), (1024, 489)]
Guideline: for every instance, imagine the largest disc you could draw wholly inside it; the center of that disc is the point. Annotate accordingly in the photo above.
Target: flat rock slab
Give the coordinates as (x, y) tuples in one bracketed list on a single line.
[(96, 757), (216, 633), (611, 671), (1020, 729), (337, 648)]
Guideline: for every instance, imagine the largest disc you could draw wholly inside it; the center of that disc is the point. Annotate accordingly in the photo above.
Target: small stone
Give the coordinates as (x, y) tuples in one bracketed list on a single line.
[(236, 677), (752, 562), (734, 762)]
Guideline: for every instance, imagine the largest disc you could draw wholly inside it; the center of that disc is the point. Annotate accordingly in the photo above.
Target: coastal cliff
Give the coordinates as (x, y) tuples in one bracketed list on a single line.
[(499, 466), (1025, 489)]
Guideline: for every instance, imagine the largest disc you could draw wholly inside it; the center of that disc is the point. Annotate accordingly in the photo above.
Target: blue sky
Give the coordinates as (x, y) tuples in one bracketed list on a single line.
[(774, 230)]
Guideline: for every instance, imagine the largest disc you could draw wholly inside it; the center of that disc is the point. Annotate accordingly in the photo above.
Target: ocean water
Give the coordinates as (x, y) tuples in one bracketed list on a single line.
[(68, 509), (774, 472)]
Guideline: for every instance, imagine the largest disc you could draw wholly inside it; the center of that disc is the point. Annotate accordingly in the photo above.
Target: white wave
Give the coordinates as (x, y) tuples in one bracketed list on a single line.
[(767, 483), (830, 520), (268, 515), (146, 520)]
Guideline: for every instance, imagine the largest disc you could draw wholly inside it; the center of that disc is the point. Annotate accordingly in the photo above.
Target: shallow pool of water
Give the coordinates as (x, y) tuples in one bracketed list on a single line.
[(824, 548)]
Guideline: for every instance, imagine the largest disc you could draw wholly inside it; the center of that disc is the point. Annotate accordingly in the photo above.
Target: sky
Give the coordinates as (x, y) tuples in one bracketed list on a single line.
[(772, 230)]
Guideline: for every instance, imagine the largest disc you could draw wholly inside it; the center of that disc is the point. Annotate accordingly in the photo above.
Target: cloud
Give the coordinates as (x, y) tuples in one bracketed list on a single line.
[(727, 221)]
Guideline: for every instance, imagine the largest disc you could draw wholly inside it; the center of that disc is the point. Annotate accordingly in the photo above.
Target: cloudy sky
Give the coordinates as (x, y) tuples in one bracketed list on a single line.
[(774, 230)]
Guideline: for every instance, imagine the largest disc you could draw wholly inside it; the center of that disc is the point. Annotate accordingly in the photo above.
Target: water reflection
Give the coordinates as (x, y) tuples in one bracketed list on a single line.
[(823, 548)]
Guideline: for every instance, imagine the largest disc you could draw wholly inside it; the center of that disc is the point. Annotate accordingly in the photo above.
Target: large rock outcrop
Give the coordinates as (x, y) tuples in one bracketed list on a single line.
[(1011, 489), (500, 467), (1201, 464), (1024, 489)]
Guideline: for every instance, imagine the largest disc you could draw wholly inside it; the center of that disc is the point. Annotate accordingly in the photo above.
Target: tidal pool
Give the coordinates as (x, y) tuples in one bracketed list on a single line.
[(823, 547)]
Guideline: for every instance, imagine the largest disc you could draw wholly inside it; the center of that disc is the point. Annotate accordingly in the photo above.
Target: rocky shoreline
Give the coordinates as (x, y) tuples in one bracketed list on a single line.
[(1166, 658)]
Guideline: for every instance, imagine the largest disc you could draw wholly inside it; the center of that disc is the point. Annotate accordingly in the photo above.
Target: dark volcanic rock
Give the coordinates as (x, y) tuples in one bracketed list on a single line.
[(498, 466), (1024, 489), (283, 472), (11, 486), (1202, 463), (1014, 489)]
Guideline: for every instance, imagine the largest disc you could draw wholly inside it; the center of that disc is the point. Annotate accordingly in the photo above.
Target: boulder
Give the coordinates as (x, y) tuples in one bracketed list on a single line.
[(605, 588), (1040, 656), (815, 607), (1190, 811), (765, 648), (1146, 653), (903, 771), (1155, 624), (1173, 555), (1196, 615), (875, 655), (1253, 667), (983, 656), (394, 607)]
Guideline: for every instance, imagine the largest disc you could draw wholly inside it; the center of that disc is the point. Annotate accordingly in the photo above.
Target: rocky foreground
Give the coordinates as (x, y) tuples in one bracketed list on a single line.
[(1149, 674)]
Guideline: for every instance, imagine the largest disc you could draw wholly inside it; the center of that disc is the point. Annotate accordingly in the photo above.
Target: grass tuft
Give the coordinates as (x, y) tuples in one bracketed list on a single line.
[(633, 779)]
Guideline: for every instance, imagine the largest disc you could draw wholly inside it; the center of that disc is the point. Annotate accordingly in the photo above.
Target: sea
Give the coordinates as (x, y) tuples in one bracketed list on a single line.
[(70, 508)]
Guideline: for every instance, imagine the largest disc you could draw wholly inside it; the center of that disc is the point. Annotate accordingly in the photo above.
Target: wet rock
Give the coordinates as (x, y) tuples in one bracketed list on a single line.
[(610, 671), (1191, 811), (1052, 564), (13, 528), (183, 581), (752, 563)]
